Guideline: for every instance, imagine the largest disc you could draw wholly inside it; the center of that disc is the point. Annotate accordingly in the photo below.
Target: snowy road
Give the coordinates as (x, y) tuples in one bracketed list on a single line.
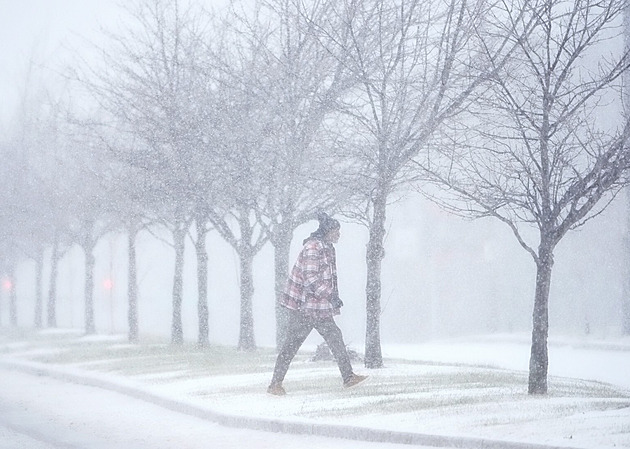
[(42, 413)]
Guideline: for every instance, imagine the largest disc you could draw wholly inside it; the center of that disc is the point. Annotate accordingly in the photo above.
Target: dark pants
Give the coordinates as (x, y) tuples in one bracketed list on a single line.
[(299, 327)]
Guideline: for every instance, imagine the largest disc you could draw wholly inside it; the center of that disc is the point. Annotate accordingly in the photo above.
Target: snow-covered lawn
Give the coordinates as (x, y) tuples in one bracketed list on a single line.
[(464, 388)]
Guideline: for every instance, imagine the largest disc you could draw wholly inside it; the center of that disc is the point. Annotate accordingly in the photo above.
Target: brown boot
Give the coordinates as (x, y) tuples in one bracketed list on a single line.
[(276, 389), (354, 379)]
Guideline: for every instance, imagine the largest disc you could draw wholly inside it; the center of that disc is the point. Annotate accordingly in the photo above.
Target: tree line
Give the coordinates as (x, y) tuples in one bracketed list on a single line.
[(248, 121)]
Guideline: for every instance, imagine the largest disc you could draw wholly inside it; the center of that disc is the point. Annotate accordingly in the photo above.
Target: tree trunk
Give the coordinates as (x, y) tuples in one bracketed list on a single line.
[(539, 359), (51, 312), (90, 328), (282, 248), (132, 285), (625, 295), (374, 256), (177, 331), (202, 285), (246, 341), (625, 299), (39, 275)]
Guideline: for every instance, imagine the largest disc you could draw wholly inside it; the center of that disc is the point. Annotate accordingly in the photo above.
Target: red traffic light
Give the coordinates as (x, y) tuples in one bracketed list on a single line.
[(7, 284)]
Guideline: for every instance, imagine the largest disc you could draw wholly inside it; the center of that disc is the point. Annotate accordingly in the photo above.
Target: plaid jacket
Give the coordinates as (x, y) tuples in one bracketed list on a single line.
[(312, 282)]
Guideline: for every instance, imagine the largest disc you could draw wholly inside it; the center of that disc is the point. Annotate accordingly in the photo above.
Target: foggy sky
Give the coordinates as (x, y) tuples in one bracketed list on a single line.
[(47, 32), (440, 274)]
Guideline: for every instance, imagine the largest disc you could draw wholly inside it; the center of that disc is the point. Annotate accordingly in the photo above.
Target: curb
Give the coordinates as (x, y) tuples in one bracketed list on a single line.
[(269, 425)]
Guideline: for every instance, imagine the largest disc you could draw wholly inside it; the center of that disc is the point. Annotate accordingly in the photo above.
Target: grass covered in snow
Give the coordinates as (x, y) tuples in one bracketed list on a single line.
[(426, 397)]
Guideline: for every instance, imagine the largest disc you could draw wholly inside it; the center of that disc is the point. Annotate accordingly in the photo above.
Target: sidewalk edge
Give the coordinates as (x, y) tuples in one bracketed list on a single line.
[(270, 425)]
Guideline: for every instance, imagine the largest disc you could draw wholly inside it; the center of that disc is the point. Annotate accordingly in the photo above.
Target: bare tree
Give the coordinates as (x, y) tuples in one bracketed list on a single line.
[(25, 226), (149, 86), (298, 80), (30, 197), (133, 207), (625, 301), (417, 64), (543, 151), (10, 220), (237, 133), (86, 192), (60, 195)]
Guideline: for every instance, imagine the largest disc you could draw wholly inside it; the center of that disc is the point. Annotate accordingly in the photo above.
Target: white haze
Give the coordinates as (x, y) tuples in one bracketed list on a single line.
[(442, 276)]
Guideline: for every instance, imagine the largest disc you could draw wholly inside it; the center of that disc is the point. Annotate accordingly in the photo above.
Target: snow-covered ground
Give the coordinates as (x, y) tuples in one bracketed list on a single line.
[(40, 412), (468, 391), (594, 359)]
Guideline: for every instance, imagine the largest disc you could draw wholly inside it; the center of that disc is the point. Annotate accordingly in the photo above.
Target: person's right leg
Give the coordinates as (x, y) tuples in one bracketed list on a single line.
[(328, 329), (297, 331)]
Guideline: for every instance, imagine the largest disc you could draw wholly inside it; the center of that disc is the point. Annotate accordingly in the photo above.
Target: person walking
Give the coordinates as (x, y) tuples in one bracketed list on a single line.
[(312, 299)]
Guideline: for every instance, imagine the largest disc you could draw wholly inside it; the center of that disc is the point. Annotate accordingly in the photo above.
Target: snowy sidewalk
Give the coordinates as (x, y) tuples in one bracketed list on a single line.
[(455, 397)]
